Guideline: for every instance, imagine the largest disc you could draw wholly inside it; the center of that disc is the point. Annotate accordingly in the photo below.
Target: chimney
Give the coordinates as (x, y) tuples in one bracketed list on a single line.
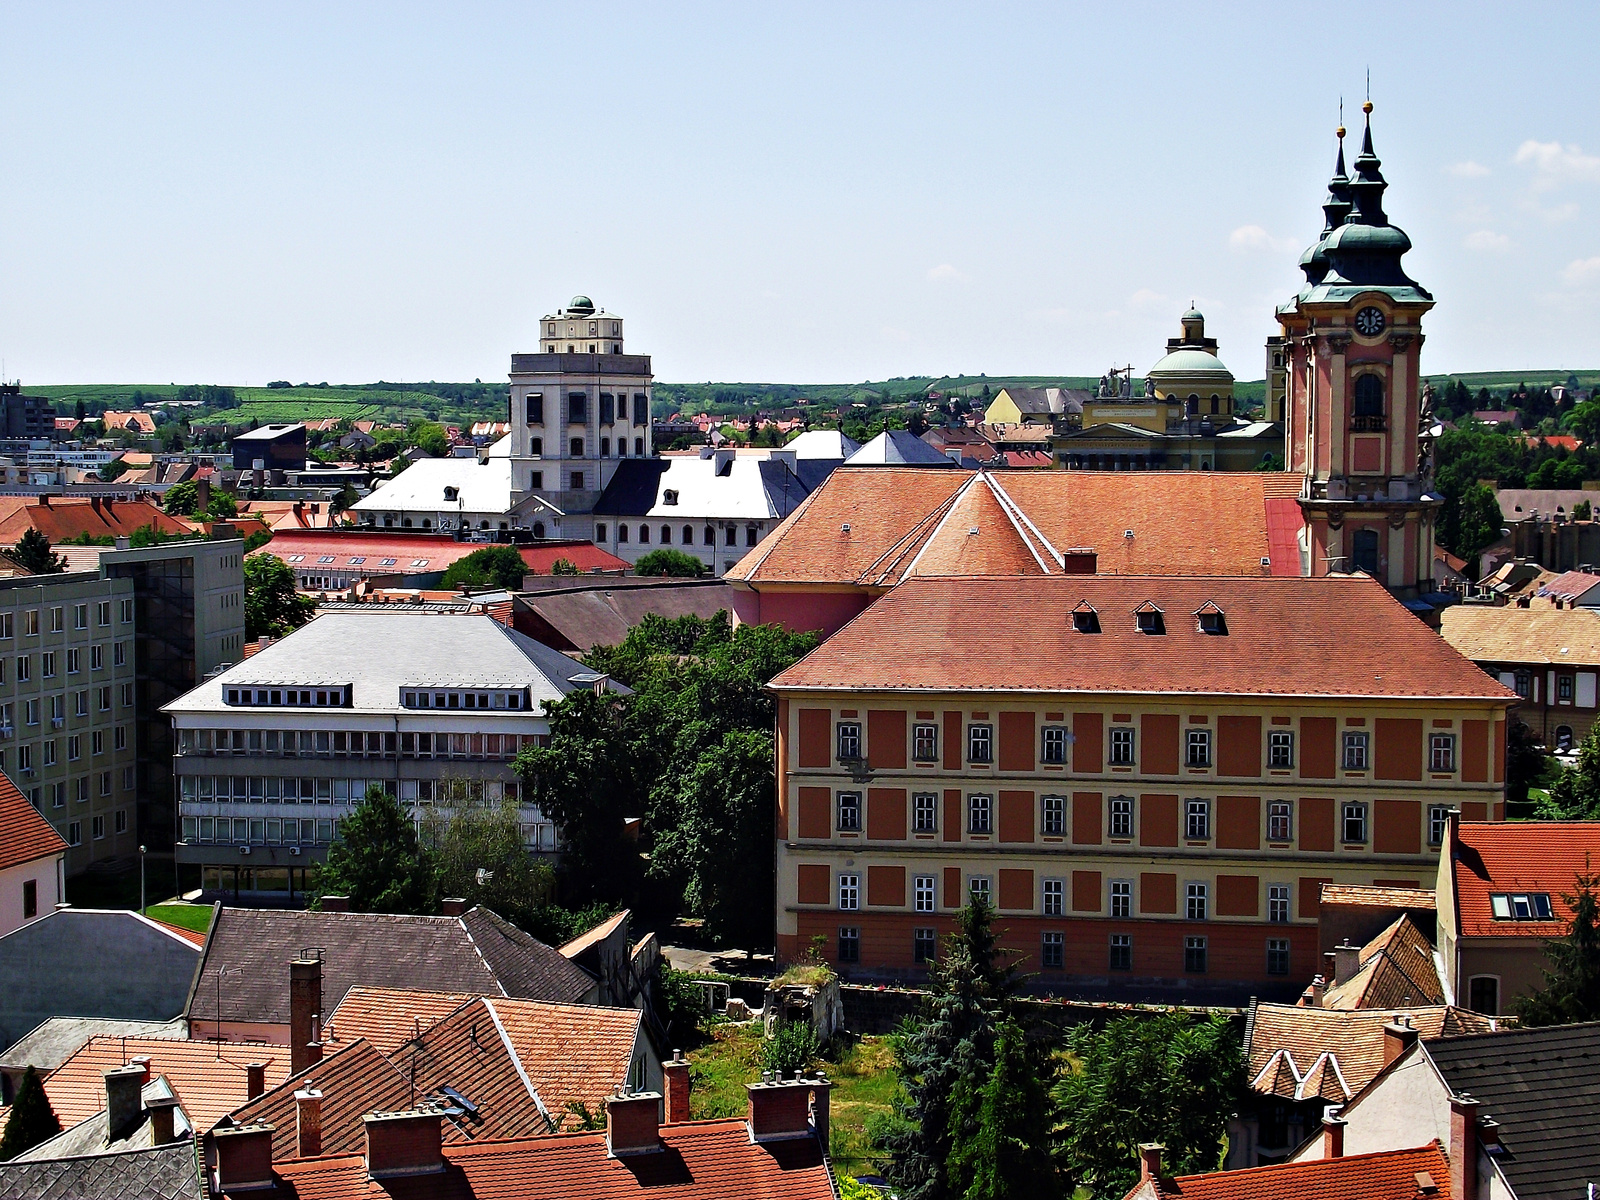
[(677, 1084), (632, 1123), (1318, 986), (336, 904), (308, 1120), (44, 500), (403, 1143), (781, 1110), (94, 503), (255, 1080), (163, 1123), (1150, 1161), (244, 1157), (142, 1061), (1463, 1147), (123, 1104), (202, 495), (1346, 961), (122, 542), (305, 1002), (1333, 1133), (313, 1052), (1397, 1039)]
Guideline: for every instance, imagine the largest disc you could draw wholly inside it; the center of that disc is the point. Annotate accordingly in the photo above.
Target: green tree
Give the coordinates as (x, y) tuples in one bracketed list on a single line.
[(1526, 760), (78, 410), (182, 499), (272, 606), (564, 566), (378, 862), (428, 436), (1007, 1156), (222, 506), (493, 566), (481, 856), (345, 499), (1162, 1078), (32, 1119), (1571, 991), (669, 562), (32, 552), (1575, 795)]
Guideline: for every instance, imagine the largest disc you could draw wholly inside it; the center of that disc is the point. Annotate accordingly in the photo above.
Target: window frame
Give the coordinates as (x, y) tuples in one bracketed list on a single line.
[(847, 812), (1354, 811), (924, 944), (1438, 824), (847, 737), (974, 808), (1119, 817), (1053, 815), (1122, 746), (1277, 903), (980, 742), (1197, 748), (925, 742), (924, 812), (924, 897), (1052, 950), (1278, 956), (983, 884), (1280, 811), (1053, 744), (1053, 897), (1196, 900), (1357, 747), (1197, 819), (847, 891), (849, 945), (1120, 956), (1196, 955), (1442, 753), (1120, 896), (1280, 749)]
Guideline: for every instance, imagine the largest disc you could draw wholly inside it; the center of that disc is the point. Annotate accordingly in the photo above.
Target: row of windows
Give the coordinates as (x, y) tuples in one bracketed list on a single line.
[(1052, 950), (58, 794), (1053, 893), (514, 700), (72, 831), (52, 661), (33, 710), (613, 408), (320, 697), (575, 449), (730, 533), (273, 789), (340, 743), (55, 618), (1122, 745), (1197, 815)]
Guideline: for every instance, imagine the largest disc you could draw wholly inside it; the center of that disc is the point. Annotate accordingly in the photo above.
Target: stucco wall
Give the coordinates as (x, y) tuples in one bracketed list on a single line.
[(1408, 1107), (45, 873)]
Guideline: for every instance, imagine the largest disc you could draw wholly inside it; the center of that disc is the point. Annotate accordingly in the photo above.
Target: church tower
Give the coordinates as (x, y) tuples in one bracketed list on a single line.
[(1352, 395)]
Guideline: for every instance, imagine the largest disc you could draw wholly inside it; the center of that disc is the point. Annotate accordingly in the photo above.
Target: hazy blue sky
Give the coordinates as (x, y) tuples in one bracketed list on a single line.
[(226, 193)]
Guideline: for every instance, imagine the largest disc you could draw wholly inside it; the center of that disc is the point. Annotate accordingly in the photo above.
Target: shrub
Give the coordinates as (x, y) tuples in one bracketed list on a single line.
[(792, 1047), (669, 562)]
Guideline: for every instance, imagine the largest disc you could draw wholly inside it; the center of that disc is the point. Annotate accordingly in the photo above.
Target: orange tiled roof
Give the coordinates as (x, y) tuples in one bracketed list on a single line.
[(390, 1017), (1377, 897), (195, 936), (1528, 856), (354, 1080), (1307, 1053), (208, 1077), (1279, 640), (1397, 968), (1523, 635), (62, 519), (703, 1160), (1383, 1175), (24, 835), (571, 1053)]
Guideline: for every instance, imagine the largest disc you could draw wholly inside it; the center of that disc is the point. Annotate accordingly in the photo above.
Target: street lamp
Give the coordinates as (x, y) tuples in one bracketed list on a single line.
[(142, 912)]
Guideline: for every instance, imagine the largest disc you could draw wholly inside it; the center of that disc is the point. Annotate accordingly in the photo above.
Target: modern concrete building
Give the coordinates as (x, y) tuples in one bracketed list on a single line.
[(271, 448), (272, 752)]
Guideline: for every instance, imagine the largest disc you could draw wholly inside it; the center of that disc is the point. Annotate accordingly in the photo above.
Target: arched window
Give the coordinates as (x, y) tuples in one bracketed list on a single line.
[(666, 535), (644, 533), (1191, 406), (538, 529), (427, 523), (600, 532), (1563, 737), (1364, 551), (688, 535), (1368, 398), (622, 534), (711, 536)]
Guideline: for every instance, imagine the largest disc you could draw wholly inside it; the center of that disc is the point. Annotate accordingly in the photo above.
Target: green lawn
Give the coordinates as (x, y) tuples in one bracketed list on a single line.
[(188, 916), (863, 1083)]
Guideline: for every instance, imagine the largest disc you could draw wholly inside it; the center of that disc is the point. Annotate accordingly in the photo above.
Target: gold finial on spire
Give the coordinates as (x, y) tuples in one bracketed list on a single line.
[(1340, 130), (1367, 106)]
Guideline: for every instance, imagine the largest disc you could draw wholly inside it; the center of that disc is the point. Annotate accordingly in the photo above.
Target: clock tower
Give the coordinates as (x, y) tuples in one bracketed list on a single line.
[(1353, 401)]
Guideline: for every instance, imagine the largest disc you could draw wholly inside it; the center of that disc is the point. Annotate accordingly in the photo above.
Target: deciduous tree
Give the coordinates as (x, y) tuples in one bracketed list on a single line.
[(493, 566), (272, 606), (378, 862), (669, 562)]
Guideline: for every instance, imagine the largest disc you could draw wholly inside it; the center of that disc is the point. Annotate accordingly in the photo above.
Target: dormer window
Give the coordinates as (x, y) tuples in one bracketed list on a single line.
[(1149, 618), (451, 493), (1211, 619), (670, 496), (1085, 619), (1533, 906)]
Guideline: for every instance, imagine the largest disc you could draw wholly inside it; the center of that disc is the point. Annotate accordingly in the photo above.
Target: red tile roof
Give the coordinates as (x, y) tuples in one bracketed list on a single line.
[(1377, 897), (196, 937), (1279, 640), (208, 1077), (1384, 1175), (1396, 968), (61, 518), (413, 553), (354, 1080), (24, 834), (571, 1053), (702, 1160), (390, 1017), (1527, 856)]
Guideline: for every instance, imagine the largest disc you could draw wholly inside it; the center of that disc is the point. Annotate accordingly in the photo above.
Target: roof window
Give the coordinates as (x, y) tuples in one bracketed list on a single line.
[(297, 558), (1149, 618), (670, 496), (325, 558), (1211, 619), (419, 562), (1085, 619), (358, 560), (1522, 906), (386, 562)]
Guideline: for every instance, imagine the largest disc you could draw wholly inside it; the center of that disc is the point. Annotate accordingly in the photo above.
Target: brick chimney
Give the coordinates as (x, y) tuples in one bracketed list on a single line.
[(781, 1109), (676, 1074), (255, 1080), (244, 1158), (403, 1143), (163, 1122), (453, 906), (1346, 961), (633, 1123), (336, 904), (1398, 1037), (1333, 1126), (305, 1002), (123, 1103), (1318, 986), (308, 1120), (1150, 1161), (1463, 1147)]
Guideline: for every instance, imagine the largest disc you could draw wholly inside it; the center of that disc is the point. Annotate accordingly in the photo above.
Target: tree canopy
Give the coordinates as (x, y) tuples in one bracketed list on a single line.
[(669, 562), (183, 500), (493, 566), (1575, 794), (1571, 989), (33, 554), (32, 1119), (272, 606), (378, 862)]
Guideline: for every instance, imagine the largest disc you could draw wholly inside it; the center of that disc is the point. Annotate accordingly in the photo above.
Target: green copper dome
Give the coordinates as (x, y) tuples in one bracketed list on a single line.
[(581, 305)]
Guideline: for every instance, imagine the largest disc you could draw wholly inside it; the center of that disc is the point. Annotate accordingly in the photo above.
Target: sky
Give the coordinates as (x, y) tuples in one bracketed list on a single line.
[(804, 193)]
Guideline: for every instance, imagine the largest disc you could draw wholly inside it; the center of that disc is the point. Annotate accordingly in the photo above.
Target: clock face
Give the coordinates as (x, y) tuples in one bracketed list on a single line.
[(1369, 322)]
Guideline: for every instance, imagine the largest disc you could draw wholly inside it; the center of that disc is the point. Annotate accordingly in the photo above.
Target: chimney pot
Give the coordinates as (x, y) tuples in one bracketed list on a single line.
[(1150, 1160), (1318, 986), (308, 1121), (305, 1002), (1346, 961), (1333, 1127), (142, 1061), (633, 1124), (454, 906), (781, 1109), (676, 1073), (1463, 1147), (244, 1157), (1398, 1036), (123, 1103), (403, 1143), (255, 1080)]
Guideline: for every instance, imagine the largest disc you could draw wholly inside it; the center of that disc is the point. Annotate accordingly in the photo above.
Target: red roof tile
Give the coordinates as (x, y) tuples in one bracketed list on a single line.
[(390, 1017), (1384, 1175), (1528, 856), (195, 936), (354, 1080), (414, 553), (62, 519), (24, 834), (1279, 640), (208, 1077), (1377, 897)]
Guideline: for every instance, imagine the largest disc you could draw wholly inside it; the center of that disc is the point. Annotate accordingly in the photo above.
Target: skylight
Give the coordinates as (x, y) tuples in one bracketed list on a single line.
[(1521, 906)]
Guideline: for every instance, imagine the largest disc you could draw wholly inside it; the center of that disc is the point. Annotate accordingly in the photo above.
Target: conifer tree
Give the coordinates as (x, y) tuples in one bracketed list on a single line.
[(1007, 1154), (32, 1119), (1571, 989), (33, 553)]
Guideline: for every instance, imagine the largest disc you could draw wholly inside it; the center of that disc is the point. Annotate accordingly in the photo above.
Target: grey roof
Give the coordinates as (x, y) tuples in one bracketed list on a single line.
[(92, 1135), (476, 953), (463, 650), (738, 488), (171, 1172), (54, 1041), (1519, 504), (602, 615), (1543, 1087), (897, 447)]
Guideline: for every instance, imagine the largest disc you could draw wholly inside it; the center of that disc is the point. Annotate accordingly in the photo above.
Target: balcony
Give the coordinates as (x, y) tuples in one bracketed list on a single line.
[(1368, 423)]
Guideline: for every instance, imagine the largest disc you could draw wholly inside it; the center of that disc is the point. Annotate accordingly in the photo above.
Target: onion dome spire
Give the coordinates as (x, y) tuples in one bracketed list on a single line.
[(1335, 210), (1367, 188)]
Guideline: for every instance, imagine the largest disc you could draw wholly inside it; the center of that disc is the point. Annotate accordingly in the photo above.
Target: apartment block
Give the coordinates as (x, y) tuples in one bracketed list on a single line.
[(1148, 778)]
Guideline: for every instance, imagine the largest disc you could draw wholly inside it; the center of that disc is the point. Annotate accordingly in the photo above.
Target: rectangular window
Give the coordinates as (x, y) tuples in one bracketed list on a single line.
[(126, 613), (925, 812), (1121, 746), (1054, 748), (57, 619), (127, 695), (1197, 819), (1355, 822), (1053, 820), (30, 898), (97, 658), (74, 662), (849, 892), (1196, 901), (1122, 897), (1199, 748), (1280, 748), (849, 943), (1121, 952), (30, 623), (924, 945), (535, 408), (577, 481), (1121, 816), (1438, 823), (1278, 903), (1564, 688), (980, 743), (1055, 897), (97, 828), (922, 891), (50, 752), (119, 654), (978, 890), (979, 812), (1355, 751), (74, 833), (1277, 956), (47, 665), (1052, 951), (850, 812), (80, 616), (1442, 752), (24, 668), (925, 743), (848, 740), (74, 748), (1194, 955), (577, 407), (1280, 821), (102, 613), (7, 625)]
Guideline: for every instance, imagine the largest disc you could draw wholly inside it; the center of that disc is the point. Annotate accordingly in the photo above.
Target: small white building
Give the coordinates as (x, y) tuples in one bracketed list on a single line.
[(32, 858), (469, 492)]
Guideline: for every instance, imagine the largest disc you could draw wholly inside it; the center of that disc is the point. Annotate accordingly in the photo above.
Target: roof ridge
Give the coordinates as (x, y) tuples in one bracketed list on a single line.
[(899, 547), (1017, 513)]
